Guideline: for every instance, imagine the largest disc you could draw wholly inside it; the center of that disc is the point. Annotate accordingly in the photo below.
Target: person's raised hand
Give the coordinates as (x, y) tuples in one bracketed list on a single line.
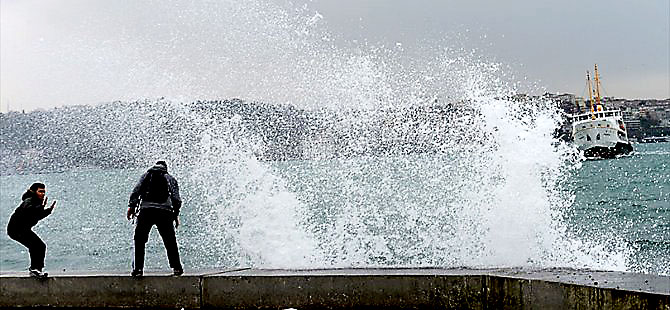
[(44, 203)]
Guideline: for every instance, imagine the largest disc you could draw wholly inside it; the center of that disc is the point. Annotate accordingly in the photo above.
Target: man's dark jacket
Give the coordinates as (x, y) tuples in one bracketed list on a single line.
[(173, 201)]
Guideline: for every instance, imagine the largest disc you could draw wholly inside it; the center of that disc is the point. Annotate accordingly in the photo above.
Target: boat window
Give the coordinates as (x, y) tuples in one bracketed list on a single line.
[(598, 137), (583, 127)]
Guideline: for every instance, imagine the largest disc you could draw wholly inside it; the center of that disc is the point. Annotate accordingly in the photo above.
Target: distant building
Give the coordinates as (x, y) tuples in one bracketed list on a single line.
[(632, 124)]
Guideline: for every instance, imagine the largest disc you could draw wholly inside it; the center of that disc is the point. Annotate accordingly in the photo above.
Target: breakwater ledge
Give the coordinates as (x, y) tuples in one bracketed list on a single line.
[(396, 288)]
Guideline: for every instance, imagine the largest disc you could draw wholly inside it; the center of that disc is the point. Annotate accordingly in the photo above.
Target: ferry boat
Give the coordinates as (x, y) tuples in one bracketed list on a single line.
[(600, 133)]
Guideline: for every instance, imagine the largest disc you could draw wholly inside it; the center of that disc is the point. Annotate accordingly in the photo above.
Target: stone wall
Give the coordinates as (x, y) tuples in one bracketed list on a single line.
[(345, 288)]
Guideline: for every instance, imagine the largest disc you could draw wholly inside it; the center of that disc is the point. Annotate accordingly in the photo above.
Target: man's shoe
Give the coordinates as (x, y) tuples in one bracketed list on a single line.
[(178, 272), (37, 273), (137, 273)]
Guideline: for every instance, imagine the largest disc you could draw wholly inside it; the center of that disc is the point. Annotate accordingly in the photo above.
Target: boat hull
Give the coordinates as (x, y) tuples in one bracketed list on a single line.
[(608, 152)]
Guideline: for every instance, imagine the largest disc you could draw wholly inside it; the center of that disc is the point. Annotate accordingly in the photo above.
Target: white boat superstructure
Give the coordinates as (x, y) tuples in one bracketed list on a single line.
[(600, 133)]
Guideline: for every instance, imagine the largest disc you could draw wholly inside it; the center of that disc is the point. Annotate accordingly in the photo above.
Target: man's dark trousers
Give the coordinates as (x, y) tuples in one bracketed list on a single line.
[(164, 221)]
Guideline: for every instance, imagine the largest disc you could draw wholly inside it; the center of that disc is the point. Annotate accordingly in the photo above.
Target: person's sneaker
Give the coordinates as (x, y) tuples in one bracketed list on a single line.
[(36, 273), (177, 271), (137, 273)]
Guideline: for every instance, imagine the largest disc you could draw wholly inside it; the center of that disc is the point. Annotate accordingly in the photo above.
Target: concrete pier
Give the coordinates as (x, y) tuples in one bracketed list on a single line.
[(509, 288)]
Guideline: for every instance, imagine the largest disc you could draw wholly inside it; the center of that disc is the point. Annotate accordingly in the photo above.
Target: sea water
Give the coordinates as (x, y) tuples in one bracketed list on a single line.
[(399, 213)]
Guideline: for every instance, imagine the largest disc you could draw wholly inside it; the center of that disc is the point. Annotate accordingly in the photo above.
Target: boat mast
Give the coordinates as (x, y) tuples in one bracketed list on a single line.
[(588, 81), (597, 79)]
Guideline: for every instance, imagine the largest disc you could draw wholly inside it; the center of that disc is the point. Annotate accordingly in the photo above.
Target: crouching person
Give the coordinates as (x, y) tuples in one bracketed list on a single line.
[(31, 210)]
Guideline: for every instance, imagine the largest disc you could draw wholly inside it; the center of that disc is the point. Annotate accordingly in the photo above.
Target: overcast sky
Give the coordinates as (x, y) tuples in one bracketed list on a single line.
[(60, 52)]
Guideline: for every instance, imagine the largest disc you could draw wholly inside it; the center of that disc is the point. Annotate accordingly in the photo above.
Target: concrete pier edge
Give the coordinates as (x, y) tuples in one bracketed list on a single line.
[(384, 288)]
